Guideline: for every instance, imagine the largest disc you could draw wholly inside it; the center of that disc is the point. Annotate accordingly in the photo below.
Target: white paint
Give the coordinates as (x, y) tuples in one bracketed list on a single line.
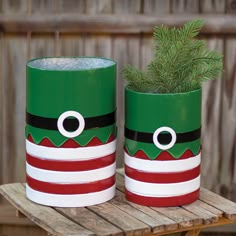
[(70, 176), (162, 190), (70, 200), (66, 133), (162, 166), (70, 154), (166, 146)]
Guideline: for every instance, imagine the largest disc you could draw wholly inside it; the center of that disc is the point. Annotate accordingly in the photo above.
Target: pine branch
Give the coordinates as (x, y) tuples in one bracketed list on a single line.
[(181, 63)]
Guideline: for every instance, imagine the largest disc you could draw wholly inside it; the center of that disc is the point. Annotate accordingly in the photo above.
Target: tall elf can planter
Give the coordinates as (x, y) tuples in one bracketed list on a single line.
[(163, 118), (70, 131), (162, 147)]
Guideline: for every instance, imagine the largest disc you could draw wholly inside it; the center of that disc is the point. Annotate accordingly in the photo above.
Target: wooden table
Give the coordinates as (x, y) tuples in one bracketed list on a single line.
[(120, 217)]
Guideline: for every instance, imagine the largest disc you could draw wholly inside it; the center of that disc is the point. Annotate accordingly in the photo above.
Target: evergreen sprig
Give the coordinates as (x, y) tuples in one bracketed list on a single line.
[(181, 63)]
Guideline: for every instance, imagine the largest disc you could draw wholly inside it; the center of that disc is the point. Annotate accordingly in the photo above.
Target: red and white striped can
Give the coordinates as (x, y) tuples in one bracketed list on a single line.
[(69, 176), (164, 181)]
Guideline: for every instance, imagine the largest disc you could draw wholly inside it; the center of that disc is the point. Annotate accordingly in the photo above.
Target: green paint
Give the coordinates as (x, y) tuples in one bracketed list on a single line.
[(83, 139), (145, 112), (152, 151), (51, 92), (90, 92)]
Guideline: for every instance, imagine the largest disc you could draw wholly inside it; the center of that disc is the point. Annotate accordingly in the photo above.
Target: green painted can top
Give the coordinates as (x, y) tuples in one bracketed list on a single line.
[(84, 84), (145, 112)]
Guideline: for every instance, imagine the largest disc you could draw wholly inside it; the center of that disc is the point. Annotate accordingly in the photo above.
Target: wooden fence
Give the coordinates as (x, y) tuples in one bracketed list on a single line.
[(118, 29)]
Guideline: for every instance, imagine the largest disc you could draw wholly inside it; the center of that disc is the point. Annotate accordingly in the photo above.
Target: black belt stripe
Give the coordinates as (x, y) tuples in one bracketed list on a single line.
[(70, 123), (162, 138)]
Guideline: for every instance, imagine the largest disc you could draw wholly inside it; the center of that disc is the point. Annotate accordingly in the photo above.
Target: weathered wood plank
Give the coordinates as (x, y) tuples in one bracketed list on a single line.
[(119, 54), (207, 216), (13, 7), (1, 104), (71, 6), (230, 6), (227, 176), (120, 201), (146, 51), (222, 221), (183, 6), (42, 45), (211, 122), (210, 208), (14, 56), (213, 6), (103, 23), (39, 7), (181, 216), (45, 217), (155, 7), (71, 45), (91, 221), (121, 219), (228, 207), (126, 6)]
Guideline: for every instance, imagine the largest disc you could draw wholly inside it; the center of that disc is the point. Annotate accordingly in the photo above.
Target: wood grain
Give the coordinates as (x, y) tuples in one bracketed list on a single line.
[(103, 23), (155, 224), (228, 207), (46, 217), (90, 220), (13, 105), (121, 219)]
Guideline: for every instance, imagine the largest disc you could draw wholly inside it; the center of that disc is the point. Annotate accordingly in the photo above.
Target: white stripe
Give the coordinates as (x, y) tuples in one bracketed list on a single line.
[(162, 166), (70, 176), (70, 200), (80, 153), (161, 190)]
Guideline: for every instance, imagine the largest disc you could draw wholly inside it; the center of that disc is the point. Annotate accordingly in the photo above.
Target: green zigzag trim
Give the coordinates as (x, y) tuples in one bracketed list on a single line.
[(152, 151), (83, 139)]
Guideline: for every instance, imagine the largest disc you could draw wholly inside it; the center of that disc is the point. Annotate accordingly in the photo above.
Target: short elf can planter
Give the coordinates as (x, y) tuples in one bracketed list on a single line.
[(70, 131), (162, 147)]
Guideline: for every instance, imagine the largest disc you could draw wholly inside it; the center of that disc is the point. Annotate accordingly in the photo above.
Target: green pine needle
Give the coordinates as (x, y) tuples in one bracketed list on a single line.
[(181, 63)]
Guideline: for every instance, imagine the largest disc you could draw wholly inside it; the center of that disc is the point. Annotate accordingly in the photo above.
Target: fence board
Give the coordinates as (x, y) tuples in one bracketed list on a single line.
[(211, 112), (13, 107), (228, 127), (155, 7), (183, 6)]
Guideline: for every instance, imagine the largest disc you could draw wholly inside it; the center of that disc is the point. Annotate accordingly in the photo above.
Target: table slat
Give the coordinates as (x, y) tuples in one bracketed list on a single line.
[(225, 205), (91, 221), (122, 220), (46, 217), (207, 216)]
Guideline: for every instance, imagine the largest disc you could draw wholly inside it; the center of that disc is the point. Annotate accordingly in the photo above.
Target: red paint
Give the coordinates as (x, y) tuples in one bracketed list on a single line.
[(163, 156), (171, 177), (57, 165), (55, 188), (70, 143), (163, 201)]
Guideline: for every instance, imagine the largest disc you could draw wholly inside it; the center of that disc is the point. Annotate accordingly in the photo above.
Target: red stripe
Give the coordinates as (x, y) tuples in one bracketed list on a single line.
[(57, 165), (70, 188), (163, 156), (163, 201), (70, 143), (171, 177)]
